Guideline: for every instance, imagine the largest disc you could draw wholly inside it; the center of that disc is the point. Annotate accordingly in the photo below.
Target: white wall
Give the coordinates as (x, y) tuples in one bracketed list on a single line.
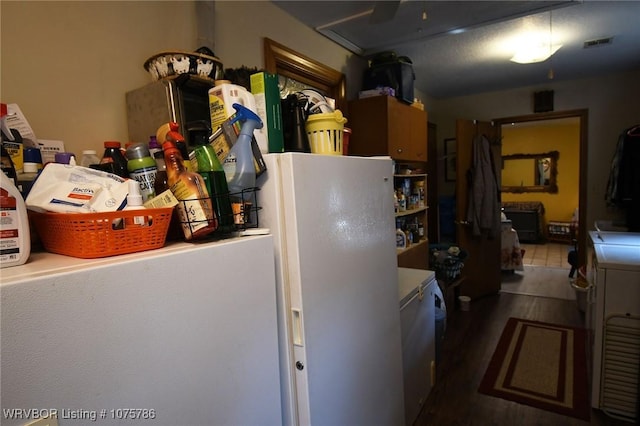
[(612, 104), (69, 64), (69, 75)]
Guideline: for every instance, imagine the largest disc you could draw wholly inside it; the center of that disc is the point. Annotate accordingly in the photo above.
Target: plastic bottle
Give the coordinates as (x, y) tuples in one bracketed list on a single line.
[(154, 146), (32, 157), (206, 163), (8, 168), (113, 161), (134, 202), (64, 157), (142, 168), (238, 165), (89, 157), (15, 239), (195, 209), (241, 159), (161, 183), (169, 132)]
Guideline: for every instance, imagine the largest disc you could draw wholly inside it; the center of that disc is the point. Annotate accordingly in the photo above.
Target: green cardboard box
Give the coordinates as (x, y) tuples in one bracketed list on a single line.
[(264, 87)]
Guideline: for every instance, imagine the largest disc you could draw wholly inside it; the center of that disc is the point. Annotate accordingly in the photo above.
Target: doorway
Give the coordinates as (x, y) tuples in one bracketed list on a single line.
[(561, 201), (581, 154)]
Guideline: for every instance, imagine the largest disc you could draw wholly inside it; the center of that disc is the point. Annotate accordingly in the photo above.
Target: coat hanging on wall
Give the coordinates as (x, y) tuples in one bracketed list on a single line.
[(484, 193)]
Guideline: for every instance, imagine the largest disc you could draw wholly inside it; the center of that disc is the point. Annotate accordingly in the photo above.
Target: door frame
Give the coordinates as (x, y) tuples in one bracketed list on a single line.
[(583, 116)]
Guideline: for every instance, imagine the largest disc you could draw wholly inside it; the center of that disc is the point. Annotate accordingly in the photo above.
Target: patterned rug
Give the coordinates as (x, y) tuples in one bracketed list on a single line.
[(541, 365)]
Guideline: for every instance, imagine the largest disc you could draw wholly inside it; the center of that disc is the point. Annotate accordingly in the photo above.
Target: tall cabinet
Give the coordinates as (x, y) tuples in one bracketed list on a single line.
[(382, 125)]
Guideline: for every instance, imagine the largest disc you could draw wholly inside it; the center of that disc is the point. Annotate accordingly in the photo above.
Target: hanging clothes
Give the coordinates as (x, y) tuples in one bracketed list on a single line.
[(623, 186), (483, 210)]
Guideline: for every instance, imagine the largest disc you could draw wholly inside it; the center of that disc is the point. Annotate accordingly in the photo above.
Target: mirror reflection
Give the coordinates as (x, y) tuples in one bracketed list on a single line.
[(530, 172)]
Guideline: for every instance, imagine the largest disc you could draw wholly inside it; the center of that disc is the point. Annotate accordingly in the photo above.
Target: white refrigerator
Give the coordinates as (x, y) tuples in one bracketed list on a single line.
[(182, 335), (332, 221)]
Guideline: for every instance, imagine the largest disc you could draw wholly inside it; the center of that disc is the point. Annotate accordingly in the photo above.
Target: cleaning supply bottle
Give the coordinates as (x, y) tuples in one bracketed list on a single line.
[(135, 202), (169, 132), (195, 209), (143, 169), (15, 239), (238, 165), (8, 169), (205, 161)]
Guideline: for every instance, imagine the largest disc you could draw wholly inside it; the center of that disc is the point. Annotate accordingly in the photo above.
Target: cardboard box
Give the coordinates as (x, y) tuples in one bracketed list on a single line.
[(264, 87), (49, 148)]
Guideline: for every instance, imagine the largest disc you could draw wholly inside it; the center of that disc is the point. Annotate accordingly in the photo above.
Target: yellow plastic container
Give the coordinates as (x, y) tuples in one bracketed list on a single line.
[(325, 132)]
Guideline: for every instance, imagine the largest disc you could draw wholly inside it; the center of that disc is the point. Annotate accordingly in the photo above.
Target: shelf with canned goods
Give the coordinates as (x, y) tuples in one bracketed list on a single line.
[(410, 208)]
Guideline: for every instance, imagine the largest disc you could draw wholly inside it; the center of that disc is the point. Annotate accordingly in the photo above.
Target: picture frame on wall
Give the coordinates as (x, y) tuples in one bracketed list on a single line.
[(450, 160)]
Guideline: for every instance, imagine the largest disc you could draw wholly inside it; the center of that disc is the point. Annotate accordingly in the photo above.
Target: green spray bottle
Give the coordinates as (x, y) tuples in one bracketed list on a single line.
[(205, 161), (238, 165)]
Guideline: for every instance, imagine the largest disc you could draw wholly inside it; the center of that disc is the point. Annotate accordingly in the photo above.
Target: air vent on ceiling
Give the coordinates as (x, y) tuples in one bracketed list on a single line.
[(598, 42)]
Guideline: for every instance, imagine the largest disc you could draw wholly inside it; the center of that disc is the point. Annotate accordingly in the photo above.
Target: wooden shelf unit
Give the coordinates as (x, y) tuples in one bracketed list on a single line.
[(382, 125)]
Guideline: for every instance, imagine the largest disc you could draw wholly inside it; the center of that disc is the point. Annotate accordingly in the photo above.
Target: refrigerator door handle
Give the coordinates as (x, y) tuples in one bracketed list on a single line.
[(296, 317)]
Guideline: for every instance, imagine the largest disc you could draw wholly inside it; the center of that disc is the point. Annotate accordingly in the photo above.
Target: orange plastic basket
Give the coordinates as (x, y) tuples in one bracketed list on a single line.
[(91, 235)]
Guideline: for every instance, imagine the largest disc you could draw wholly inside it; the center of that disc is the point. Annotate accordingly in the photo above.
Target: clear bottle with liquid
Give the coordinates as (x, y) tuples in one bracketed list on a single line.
[(195, 208)]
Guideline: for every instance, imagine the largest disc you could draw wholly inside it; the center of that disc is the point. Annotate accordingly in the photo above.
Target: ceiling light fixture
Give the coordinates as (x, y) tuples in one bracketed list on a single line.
[(535, 46)]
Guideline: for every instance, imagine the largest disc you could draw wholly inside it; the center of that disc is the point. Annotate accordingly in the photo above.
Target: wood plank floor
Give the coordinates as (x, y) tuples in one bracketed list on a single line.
[(469, 342)]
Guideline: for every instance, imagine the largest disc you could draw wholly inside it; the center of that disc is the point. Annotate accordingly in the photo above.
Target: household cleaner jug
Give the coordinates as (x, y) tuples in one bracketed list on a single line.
[(238, 165), (15, 239)]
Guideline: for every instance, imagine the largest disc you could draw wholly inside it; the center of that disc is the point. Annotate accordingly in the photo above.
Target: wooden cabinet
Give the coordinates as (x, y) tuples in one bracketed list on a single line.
[(382, 125), (411, 217)]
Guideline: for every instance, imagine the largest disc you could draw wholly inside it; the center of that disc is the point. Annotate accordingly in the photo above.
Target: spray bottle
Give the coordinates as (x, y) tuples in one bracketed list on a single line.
[(238, 165), (15, 239)]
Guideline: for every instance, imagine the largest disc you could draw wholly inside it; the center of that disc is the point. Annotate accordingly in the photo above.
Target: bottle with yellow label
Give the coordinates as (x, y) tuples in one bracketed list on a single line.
[(195, 209)]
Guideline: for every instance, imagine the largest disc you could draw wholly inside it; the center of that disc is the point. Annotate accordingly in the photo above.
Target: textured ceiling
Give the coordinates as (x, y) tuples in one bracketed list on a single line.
[(460, 48)]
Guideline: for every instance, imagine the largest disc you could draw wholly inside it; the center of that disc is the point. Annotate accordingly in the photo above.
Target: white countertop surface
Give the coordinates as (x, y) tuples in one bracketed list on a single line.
[(613, 256), (611, 237)]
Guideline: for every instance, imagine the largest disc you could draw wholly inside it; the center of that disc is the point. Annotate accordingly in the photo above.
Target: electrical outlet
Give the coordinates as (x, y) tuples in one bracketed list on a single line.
[(45, 421)]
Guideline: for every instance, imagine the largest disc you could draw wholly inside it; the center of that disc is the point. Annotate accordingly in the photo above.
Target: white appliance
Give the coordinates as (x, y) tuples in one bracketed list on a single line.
[(336, 270), (613, 237), (613, 322), (187, 333), (417, 289)]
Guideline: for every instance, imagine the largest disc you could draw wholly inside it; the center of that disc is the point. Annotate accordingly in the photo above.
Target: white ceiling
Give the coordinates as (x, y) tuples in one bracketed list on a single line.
[(460, 48)]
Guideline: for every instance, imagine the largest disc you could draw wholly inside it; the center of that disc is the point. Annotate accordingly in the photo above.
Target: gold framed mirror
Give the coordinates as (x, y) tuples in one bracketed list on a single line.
[(289, 64), (530, 172)]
